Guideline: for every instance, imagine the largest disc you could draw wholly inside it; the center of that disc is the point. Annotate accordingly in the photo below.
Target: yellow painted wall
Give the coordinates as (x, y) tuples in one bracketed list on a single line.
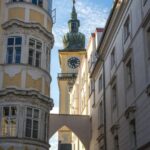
[(12, 81), (47, 92), (49, 25), (31, 83), (36, 17), (16, 13)]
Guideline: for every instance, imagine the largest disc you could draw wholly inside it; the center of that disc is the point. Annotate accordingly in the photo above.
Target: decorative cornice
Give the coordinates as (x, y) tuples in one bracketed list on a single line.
[(24, 141), (114, 128), (28, 93), (130, 110), (27, 25)]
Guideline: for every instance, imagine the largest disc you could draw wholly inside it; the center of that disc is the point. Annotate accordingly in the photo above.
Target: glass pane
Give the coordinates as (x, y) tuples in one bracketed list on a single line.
[(18, 55), (35, 125), (31, 57), (28, 123), (40, 3), (38, 59), (10, 55), (18, 41), (29, 112), (5, 127), (28, 132), (13, 111), (36, 113), (34, 2), (13, 127), (6, 111), (10, 41), (32, 43), (39, 45), (35, 129)]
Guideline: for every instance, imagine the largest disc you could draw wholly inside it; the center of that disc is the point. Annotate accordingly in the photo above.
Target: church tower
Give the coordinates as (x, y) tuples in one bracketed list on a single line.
[(70, 57), (26, 41)]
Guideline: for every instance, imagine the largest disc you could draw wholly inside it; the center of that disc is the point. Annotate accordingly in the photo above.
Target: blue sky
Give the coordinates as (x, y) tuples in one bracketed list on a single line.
[(92, 14)]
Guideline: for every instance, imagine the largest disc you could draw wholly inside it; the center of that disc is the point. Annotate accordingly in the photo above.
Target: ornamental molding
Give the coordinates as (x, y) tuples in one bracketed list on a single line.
[(33, 28), (29, 142), (32, 95), (130, 112)]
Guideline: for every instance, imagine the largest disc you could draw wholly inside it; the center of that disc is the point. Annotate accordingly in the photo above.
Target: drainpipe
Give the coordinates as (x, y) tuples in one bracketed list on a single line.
[(104, 98)]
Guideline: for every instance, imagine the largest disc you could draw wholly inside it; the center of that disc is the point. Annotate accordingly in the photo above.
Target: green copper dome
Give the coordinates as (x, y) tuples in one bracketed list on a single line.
[(74, 39)]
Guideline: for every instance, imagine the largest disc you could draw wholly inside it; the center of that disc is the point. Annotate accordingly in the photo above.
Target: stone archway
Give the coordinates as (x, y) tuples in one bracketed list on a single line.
[(79, 124)]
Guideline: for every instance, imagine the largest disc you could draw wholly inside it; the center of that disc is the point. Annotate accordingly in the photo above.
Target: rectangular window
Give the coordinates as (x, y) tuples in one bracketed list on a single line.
[(100, 83), (114, 95), (9, 123), (38, 2), (116, 143), (14, 50), (133, 134), (32, 123), (48, 59), (35, 48), (129, 72), (127, 29), (148, 42), (113, 58), (101, 114)]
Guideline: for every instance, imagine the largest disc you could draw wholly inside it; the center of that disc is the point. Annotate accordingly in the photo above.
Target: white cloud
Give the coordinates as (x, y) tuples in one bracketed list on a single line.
[(55, 110)]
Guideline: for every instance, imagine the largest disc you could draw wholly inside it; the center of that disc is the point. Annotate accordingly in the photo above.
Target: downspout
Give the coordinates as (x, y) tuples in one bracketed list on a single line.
[(104, 98)]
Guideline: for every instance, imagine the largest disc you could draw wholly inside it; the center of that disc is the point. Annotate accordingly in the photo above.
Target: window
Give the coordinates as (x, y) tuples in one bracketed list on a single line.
[(9, 123), (116, 143), (100, 83), (148, 42), (48, 59), (127, 29), (144, 2), (73, 26), (114, 95), (14, 50), (32, 123), (101, 114), (17, 0), (129, 72), (133, 133), (38, 2), (113, 58), (35, 48)]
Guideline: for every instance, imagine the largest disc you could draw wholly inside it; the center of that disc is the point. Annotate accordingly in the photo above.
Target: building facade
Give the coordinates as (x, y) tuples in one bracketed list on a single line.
[(70, 57), (26, 41), (118, 80)]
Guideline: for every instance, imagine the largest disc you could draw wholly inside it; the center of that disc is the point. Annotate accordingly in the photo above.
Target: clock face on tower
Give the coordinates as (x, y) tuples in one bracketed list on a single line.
[(73, 62)]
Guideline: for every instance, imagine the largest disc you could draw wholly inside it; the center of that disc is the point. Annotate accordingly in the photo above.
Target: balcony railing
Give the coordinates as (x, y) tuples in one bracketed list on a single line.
[(67, 76)]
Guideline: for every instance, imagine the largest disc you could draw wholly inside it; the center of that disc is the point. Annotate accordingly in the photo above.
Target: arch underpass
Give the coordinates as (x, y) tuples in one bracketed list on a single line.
[(79, 124)]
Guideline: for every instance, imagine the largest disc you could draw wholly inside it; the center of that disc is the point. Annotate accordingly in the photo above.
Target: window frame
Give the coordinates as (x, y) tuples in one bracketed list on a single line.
[(32, 119), (100, 83), (126, 28), (114, 100), (33, 59), (10, 117), (113, 57), (14, 47)]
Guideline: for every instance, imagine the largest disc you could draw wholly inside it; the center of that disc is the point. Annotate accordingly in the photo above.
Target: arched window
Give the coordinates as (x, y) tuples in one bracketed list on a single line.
[(14, 49)]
